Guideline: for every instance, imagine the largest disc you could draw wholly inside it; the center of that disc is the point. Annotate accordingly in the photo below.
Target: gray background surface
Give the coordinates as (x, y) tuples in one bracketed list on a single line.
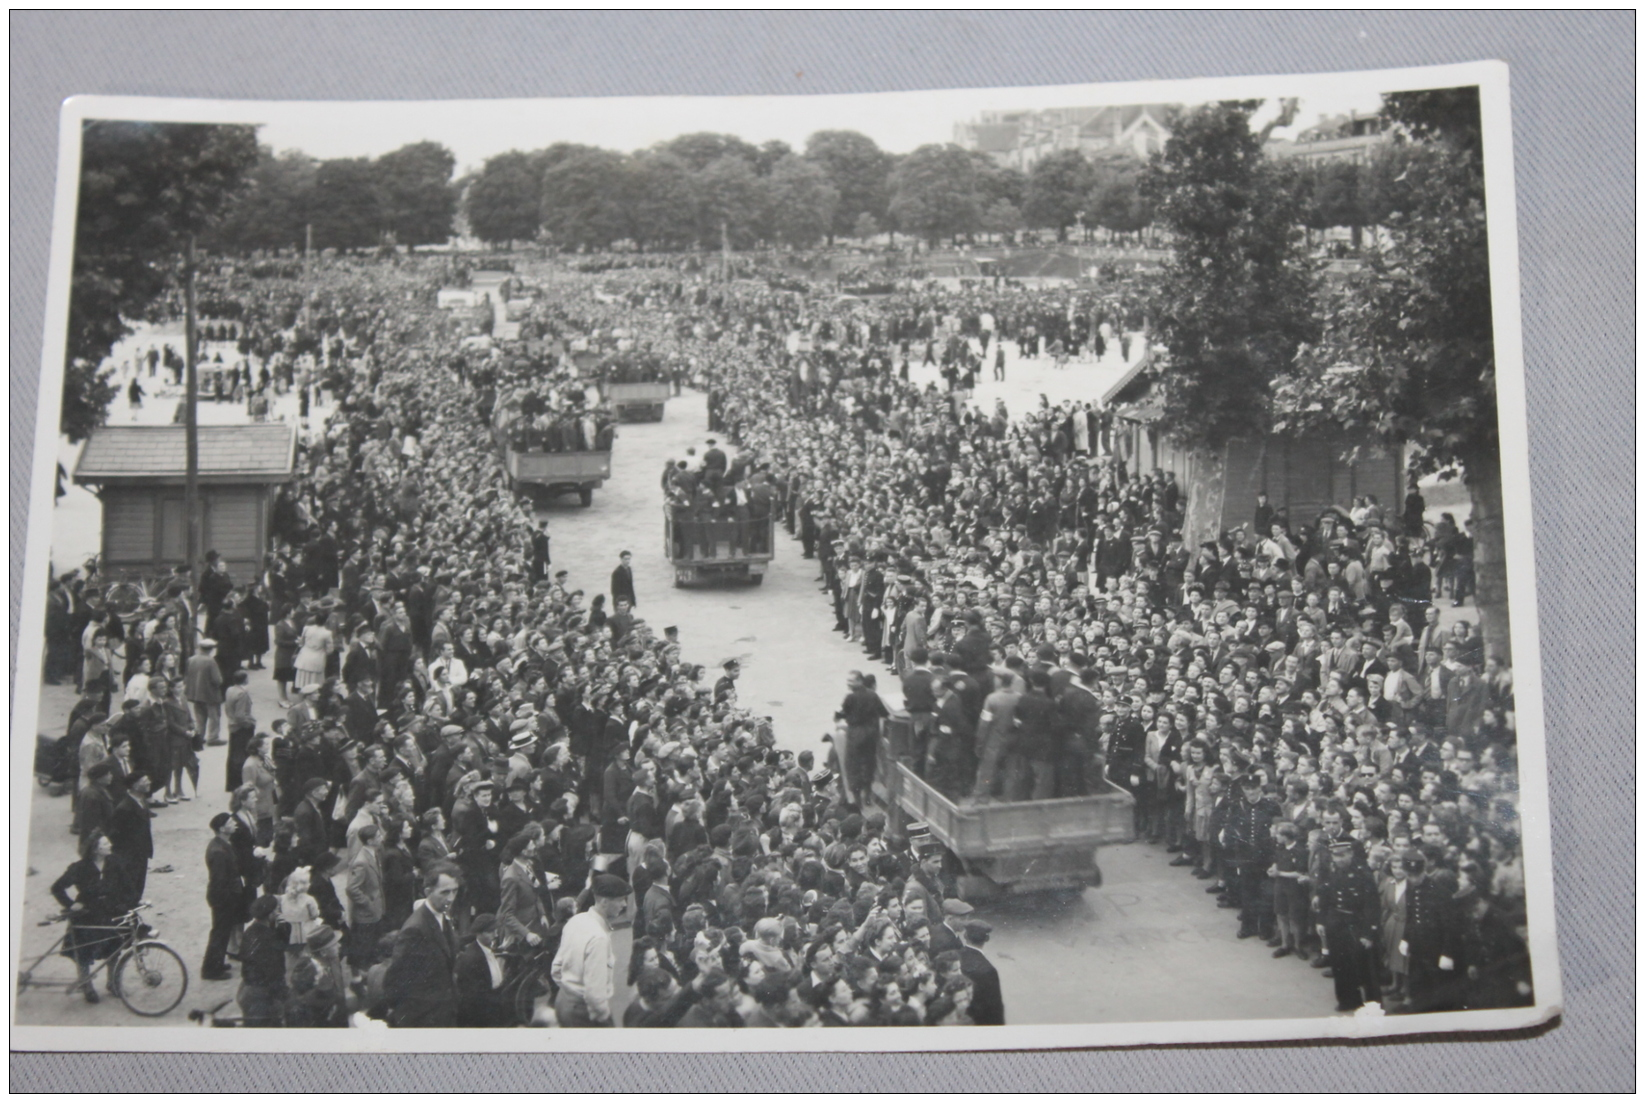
[(1574, 125)]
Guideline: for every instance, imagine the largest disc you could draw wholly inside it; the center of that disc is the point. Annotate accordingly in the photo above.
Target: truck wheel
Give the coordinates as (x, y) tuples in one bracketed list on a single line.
[(679, 580), (585, 494), (755, 579)]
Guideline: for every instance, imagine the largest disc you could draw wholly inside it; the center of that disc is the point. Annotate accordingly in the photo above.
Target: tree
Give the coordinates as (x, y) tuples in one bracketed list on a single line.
[(996, 182), (1059, 189), (1002, 218), (1235, 298), (769, 155), (347, 211), (145, 188), (505, 202), (661, 201), (273, 210), (731, 196), (415, 194), (935, 193), (1116, 201), (1407, 346), (866, 227), (1450, 115), (801, 202), (859, 172), (698, 150), (583, 199)]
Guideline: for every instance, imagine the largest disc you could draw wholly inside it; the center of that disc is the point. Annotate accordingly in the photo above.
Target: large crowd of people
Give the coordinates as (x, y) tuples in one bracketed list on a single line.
[(479, 775)]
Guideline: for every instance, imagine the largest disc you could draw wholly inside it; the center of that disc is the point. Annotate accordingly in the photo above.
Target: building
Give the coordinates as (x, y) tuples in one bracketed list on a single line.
[(138, 471), (1353, 137), (1301, 476), (1021, 138)]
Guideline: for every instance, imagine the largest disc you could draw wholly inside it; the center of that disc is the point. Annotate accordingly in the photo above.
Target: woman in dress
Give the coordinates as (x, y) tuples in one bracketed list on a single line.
[(315, 645), (287, 640), (255, 609), (103, 892)]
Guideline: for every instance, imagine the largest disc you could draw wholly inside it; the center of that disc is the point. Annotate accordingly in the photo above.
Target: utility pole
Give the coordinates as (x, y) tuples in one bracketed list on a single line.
[(191, 429), (308, 242)]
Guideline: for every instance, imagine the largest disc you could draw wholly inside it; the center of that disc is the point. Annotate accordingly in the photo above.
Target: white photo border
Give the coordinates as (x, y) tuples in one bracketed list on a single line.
[(1491, 77)]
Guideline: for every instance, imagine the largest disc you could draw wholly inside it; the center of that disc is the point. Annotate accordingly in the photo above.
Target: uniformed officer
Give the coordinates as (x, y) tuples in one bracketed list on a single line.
[(1250, 843), (1351, 912), (1430, 941)]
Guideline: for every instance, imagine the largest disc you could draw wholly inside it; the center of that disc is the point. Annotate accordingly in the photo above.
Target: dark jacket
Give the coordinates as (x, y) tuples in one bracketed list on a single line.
[(479, 1005), (225, 888), (93, 810), (130, 833), (263, 956), (987, 1003), (105, 896), (622, 586), (420, 986)]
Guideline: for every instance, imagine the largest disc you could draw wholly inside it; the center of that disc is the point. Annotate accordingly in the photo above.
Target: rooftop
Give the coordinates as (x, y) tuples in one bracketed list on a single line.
[(249, 452)]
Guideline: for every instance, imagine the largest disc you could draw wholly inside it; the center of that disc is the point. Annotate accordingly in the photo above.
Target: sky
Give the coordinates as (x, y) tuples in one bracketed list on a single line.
[(898, 121)]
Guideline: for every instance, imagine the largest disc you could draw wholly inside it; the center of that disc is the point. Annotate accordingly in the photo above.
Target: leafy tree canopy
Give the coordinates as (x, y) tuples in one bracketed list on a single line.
[(1236, 297), (936, 192), (145, 188)]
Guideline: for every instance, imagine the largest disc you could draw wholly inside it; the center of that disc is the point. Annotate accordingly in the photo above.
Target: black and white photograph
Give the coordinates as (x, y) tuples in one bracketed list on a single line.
[(695, 574)]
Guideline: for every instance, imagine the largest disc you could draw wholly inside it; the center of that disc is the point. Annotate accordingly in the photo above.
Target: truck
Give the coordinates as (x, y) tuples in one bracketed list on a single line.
[(636, 402), (709, 551), (547, 474), (1003, 847)]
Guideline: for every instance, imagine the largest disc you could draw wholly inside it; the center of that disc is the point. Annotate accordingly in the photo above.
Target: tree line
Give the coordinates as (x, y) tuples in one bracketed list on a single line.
[(711, 189), (1258, 338), (404, 197)]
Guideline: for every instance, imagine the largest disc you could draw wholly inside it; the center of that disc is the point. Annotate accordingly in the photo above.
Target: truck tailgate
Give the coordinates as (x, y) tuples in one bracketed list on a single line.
[(649, 392), (1004, 827), (559, 466)]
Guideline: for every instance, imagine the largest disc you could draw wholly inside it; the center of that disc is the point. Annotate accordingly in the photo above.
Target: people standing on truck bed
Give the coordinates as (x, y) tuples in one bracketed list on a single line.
[(795, 884)]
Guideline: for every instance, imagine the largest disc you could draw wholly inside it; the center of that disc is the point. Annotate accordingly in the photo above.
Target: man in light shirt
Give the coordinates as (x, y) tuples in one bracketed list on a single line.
[(584, 967), (456, 670)]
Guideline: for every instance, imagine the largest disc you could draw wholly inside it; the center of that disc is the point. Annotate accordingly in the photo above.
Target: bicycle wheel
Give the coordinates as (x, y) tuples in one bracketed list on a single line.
[(151, 979), (124, 597), (533, 986)]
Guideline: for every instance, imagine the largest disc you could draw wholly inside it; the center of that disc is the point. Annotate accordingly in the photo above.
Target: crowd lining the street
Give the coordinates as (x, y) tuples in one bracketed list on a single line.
[(481, 770)]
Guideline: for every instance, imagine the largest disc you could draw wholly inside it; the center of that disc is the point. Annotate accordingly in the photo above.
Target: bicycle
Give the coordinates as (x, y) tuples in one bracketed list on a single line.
[(528, 980), (145, 974)]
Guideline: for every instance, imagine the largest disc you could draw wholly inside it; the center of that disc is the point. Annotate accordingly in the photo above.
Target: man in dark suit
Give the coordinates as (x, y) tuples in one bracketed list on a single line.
[(360, 711), (622, 580), (539, 553), (479, 978), (229, 629), (394, 654), (313, 846), (94, 807), (360, 663), (225, 896), (987, 1003), (420, 985), (1285, 619), (130, 833)]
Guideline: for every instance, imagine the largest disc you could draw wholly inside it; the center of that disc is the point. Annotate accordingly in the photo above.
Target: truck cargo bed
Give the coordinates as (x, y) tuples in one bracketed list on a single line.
[(1003, 828)]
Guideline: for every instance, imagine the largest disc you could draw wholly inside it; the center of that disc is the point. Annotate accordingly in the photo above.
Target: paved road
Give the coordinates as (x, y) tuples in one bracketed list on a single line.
[(1148, 945)]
